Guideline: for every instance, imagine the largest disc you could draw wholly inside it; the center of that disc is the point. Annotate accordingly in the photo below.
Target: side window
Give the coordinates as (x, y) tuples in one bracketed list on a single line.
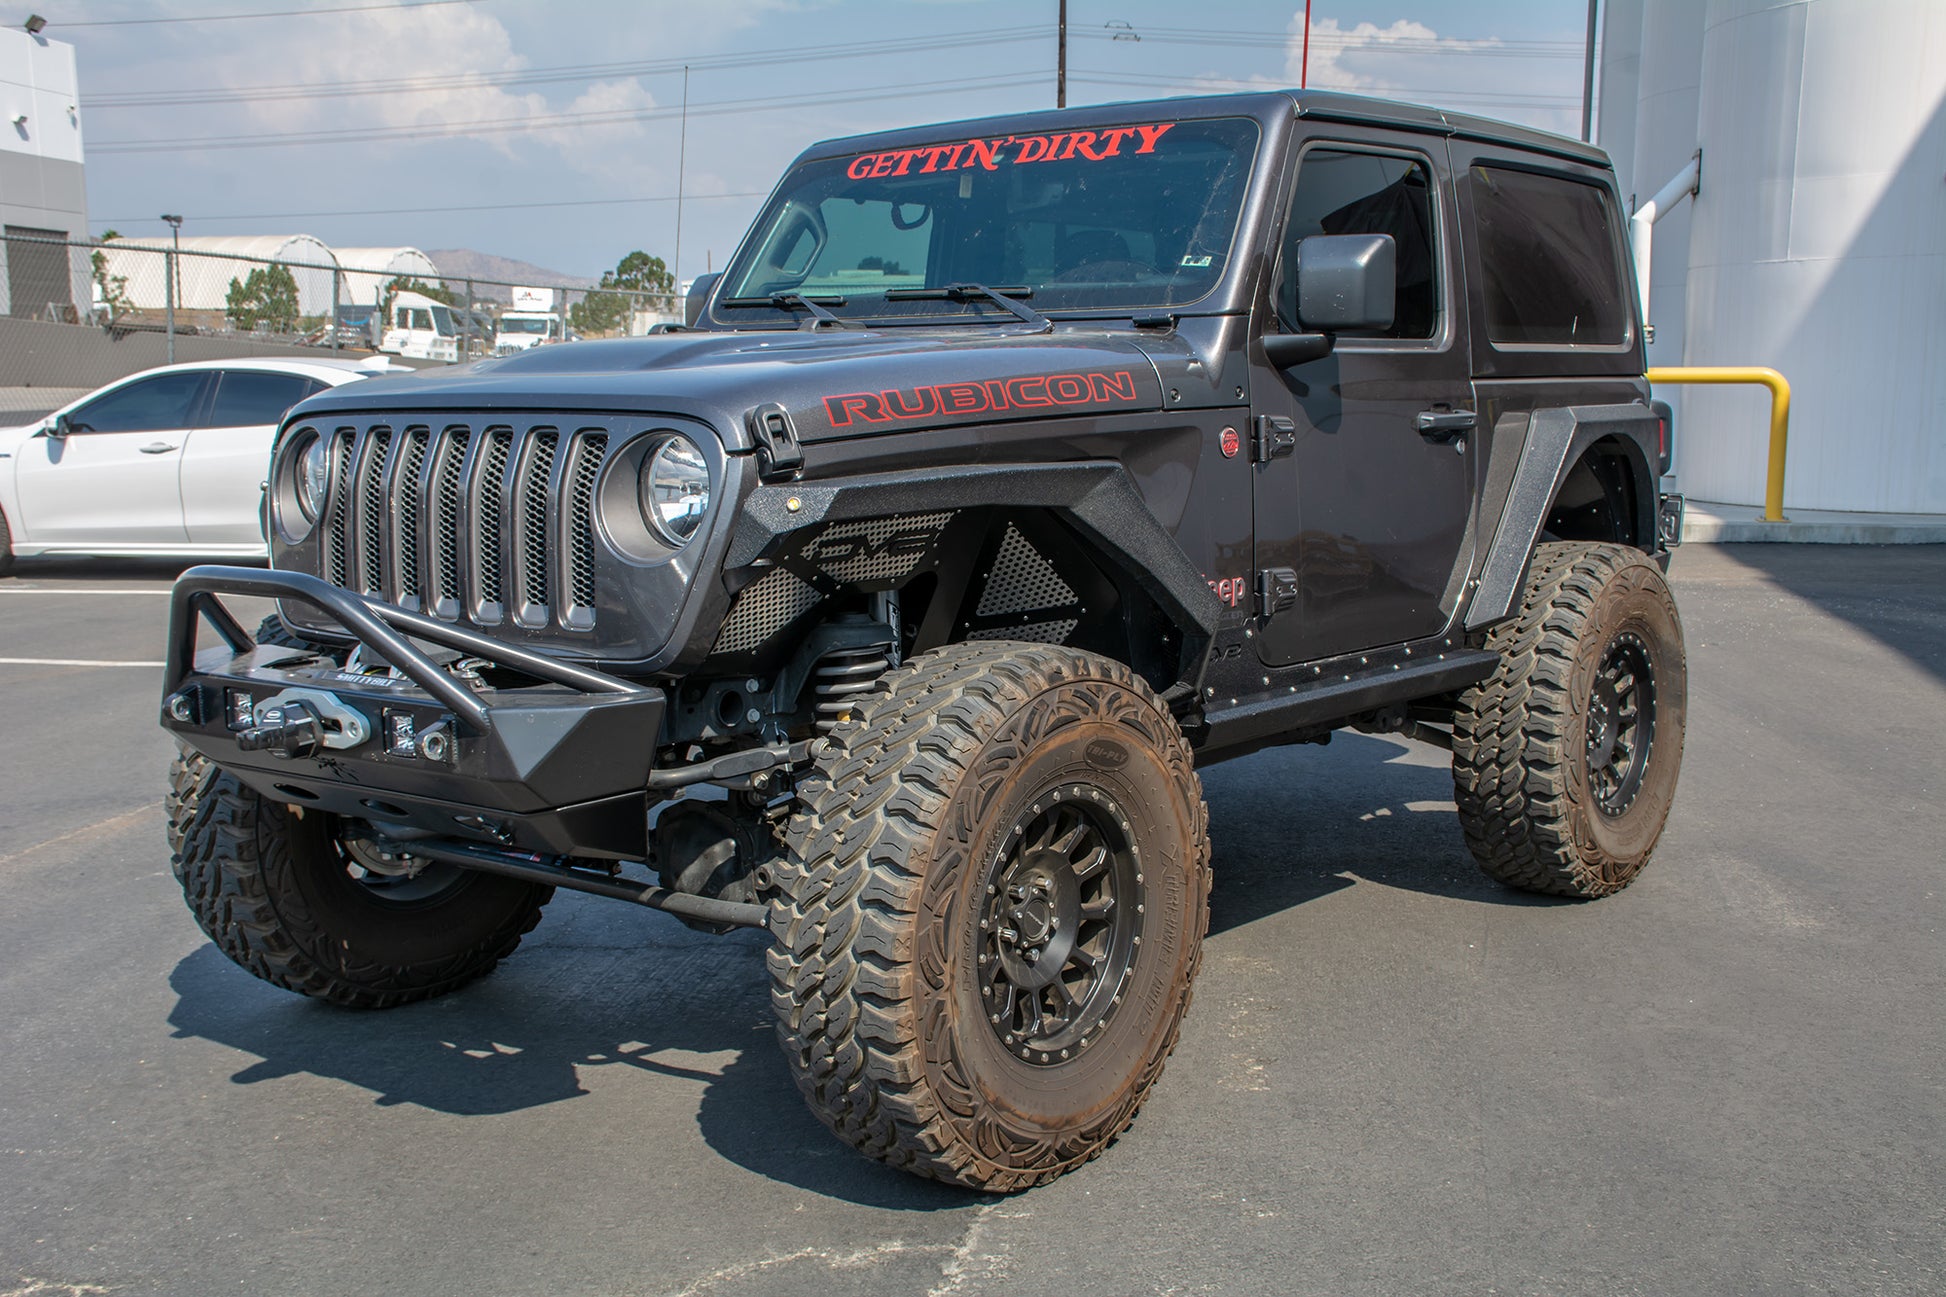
[(1550, 259), (1341, 192), (248, 397), (146, 405)]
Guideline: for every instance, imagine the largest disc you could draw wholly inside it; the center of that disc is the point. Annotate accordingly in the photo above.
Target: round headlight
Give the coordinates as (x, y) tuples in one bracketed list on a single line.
[(313, 477), (675, 490)]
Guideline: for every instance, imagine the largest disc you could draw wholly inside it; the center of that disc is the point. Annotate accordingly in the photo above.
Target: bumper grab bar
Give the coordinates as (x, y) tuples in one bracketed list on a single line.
[(377, 625)]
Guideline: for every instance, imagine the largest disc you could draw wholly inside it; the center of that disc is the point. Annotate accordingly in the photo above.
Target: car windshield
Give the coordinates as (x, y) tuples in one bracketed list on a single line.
[(1111, 219), (510, 325)]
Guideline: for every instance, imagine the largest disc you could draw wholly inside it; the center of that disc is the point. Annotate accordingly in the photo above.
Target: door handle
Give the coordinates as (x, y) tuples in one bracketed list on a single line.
[(1446, 425), (157, 448)]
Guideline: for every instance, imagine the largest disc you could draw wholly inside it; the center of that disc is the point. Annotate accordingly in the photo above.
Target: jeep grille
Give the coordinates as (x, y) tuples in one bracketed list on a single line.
[(480, 522)]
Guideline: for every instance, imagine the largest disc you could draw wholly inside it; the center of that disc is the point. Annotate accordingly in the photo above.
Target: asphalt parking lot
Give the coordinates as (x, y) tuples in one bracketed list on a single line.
[(1396, 1077)]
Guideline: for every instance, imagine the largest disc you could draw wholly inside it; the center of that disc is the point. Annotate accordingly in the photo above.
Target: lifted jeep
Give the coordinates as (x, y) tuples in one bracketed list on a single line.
[(1012, 471)]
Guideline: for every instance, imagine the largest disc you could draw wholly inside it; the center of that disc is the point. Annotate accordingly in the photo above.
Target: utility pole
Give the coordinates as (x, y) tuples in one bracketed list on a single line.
[(682, 157), (1061, 59), (1588, 78), (171, 274)]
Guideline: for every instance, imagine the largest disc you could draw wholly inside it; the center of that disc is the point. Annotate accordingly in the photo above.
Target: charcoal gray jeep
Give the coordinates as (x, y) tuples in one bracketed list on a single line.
[(1012, 471)]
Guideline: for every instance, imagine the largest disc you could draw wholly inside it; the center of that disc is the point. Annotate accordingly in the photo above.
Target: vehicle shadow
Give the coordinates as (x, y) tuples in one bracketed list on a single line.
[(1290, 825), (614, 987), (601, 985)]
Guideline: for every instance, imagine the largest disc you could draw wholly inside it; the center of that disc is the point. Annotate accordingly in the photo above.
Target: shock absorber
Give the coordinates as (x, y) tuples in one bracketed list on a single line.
[(841, 676)]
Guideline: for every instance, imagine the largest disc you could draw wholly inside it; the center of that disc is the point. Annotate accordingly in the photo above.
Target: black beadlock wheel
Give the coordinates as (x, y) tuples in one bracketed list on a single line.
[(1565, 760), (304, 903), (990, 913)]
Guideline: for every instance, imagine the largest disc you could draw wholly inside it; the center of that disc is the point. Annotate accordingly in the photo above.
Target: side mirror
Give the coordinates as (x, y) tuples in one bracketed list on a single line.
[(1346, 281), (699, 291), (59, 428)]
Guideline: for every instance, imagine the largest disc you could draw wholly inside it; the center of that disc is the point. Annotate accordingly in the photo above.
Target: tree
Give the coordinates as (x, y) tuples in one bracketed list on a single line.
[(638, 275), (266, 300), (111, 289)]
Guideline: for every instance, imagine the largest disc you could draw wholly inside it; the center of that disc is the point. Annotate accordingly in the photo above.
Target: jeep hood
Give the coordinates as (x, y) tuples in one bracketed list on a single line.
[(835, 383)]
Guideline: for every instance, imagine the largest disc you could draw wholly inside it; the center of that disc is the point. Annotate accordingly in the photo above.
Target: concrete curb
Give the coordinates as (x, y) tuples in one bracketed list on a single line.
[(1709, 523)]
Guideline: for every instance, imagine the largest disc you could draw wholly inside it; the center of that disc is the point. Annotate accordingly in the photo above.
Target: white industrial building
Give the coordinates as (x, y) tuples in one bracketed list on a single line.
[(43, 196), (208, 264), (368, 270), (1815, 244)]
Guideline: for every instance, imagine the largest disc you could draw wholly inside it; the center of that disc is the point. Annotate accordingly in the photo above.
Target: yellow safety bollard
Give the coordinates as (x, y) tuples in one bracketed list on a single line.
[(1780, 415)]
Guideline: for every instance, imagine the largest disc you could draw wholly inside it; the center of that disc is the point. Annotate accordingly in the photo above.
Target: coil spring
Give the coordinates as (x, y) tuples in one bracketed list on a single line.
[(841, 676)]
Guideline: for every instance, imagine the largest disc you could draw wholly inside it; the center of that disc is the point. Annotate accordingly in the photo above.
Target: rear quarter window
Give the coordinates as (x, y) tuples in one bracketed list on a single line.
[(1550, 260)]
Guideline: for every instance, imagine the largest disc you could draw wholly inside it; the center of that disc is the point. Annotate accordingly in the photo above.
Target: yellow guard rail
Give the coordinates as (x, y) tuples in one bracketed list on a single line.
[(1780, 415)]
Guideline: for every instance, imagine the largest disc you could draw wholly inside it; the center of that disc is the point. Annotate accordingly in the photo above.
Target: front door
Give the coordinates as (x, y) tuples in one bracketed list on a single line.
[(115, 479), (1365, 472)]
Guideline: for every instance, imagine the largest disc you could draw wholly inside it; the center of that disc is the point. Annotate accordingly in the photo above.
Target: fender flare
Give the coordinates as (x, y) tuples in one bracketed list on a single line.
[(1097, 499), (1554, 442)]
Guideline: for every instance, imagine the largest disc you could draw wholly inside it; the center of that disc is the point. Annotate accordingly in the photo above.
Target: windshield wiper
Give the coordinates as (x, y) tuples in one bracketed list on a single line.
[(1008, 297), (797, 301)]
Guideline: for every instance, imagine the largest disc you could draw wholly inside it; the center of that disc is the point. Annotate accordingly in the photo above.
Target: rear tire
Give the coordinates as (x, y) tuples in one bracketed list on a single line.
[(285, 897), (991, 912), (1565, 759)]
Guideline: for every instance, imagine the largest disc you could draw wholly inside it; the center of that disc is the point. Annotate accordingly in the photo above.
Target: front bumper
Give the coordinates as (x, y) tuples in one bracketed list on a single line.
[(561, 767)]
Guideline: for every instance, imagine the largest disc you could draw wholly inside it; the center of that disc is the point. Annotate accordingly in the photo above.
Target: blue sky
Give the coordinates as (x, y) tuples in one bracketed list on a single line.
[(547, 130)]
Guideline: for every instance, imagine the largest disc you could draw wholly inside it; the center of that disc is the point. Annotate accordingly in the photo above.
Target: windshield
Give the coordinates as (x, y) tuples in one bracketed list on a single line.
[(1124, 217), (510, 325)]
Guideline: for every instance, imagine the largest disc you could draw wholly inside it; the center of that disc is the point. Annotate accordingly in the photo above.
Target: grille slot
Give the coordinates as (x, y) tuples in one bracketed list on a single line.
[(448, 490), (590, 449), (337, 540), (489, 502), (407, 517), (371, 510), (477, 524), (533, 491)]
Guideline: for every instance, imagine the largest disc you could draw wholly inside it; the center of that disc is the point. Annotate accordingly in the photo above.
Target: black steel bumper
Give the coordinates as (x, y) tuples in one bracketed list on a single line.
[(561, 768)]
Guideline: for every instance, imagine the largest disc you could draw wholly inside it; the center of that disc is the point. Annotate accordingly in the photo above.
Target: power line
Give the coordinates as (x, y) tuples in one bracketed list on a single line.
[(1219, 85), (275, 13), (544, 76), (443, 207), (544, 122)]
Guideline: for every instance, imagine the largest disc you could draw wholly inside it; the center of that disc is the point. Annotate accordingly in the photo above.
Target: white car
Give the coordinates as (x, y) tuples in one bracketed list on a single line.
[(169, 461)]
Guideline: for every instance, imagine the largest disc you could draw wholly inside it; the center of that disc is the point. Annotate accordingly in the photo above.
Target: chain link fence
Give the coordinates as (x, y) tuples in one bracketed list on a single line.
[(75, 315)]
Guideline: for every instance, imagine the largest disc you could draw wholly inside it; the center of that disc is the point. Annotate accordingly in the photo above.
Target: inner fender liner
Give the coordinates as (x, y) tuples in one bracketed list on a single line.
[(1096, 498), (1556, 439)]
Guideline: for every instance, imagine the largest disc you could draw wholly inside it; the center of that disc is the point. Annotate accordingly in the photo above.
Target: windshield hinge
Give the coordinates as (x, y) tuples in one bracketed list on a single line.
[(778, 453), (1276, 437)]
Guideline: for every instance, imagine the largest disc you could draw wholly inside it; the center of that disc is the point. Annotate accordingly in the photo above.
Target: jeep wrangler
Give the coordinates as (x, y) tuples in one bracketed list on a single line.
[(1011, 472)]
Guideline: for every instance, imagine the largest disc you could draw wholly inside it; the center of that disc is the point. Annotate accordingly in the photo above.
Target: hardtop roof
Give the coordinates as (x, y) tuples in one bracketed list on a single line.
[(1323, 105)]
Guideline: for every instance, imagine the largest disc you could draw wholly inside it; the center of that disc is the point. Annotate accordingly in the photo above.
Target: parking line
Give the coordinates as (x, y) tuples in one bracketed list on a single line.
[(73, 662)]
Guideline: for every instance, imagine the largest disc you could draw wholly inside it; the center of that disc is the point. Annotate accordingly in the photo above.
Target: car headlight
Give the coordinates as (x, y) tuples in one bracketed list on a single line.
[(313, 477), (675, 490)]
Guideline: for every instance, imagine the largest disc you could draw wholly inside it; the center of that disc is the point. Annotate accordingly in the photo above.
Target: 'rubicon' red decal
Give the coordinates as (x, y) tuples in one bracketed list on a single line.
[(1009, 150), (994, 394)]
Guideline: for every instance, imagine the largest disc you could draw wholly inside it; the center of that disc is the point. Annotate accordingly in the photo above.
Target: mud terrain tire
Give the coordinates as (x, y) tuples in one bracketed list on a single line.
[(273, 891), (990, 913), (1565, 759)]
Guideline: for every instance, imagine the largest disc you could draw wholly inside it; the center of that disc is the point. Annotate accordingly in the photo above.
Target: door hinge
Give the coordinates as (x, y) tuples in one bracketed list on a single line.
[(1276, 436), (1276, 591), (778, 452)]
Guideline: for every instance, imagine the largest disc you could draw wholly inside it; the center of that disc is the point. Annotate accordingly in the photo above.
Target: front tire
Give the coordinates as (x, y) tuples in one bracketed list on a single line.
[(1565, 759), (991, 912), (297, 901), (6, 545)]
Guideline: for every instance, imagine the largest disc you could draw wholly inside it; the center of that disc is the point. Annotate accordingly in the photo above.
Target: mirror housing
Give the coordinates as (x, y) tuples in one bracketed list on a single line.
[(698, 297), (58, 428), (1346, 281)]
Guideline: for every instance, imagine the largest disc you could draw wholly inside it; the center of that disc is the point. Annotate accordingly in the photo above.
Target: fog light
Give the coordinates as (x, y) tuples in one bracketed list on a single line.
[(239, 709), (401, 734)]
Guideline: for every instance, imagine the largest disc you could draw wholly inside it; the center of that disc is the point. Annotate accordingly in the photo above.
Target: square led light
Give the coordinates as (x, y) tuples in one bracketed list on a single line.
[(239, 709), (401, 734)]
